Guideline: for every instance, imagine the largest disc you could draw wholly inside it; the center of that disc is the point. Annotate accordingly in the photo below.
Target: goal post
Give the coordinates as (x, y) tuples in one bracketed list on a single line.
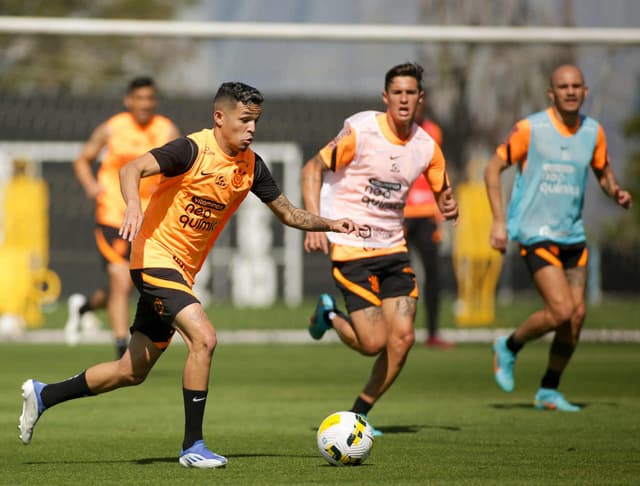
[(318, 31)]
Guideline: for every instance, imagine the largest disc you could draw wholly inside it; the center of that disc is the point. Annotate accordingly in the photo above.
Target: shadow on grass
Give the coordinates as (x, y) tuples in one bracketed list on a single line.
[(142, 462), (413, 429), (331, 466), (389, 429), (529, 406), (146, 461), (152, 460)]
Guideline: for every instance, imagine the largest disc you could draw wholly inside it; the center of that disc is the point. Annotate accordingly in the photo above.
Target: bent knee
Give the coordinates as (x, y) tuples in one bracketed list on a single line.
[(372, 347), (398, 343), (579, 314), (560, 315), (210, 341), (403, 336), (137, 379), (205, 342), (408, 339), (131, 377)]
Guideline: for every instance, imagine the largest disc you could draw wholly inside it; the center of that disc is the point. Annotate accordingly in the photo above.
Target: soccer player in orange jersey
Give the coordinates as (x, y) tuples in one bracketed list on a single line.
[(366, 173), (125, 136), (203, 179), (553, 151), (422, 228)]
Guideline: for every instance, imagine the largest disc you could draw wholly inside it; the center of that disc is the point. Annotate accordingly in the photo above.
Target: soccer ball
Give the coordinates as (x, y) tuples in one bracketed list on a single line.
[(345, 439)]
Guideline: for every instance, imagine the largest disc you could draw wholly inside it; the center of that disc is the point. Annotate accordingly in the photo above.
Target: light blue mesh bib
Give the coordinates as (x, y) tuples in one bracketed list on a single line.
[(548, 194)]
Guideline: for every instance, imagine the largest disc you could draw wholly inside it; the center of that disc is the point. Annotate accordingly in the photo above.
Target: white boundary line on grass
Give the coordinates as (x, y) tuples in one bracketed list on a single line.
[(49, 336)]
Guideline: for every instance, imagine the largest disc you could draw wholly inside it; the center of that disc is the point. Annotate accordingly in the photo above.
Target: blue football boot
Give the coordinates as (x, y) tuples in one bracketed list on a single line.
[(318, 323), (550, 399), (503, 361), (198, 455)]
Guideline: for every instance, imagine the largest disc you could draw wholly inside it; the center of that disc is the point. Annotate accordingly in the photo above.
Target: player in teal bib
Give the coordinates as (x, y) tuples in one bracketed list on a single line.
[(553, 151), (548, 194)]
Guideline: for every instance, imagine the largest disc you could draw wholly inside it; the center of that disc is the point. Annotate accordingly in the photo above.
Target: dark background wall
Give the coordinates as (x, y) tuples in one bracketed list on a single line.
[(309, 122)]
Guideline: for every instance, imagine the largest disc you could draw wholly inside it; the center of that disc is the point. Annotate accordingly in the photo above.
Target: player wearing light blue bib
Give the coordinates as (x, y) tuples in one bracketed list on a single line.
[(548, 193), (553, 150)]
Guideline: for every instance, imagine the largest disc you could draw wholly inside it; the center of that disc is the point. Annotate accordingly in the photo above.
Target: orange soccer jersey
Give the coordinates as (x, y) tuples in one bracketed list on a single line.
[(127, 140), (188, 211)]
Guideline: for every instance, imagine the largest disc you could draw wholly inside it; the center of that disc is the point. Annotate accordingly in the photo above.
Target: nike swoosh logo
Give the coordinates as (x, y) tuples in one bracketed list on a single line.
[(199, 399), (394, 157), (205, 173)]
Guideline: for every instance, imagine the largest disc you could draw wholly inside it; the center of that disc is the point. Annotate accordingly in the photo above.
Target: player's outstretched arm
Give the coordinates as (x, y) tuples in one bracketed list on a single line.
[(89, 153), (611, 188), (498, 238), (302, 219)]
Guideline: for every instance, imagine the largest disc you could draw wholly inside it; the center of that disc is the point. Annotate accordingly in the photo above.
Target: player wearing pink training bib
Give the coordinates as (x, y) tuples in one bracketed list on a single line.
[(366, 173)]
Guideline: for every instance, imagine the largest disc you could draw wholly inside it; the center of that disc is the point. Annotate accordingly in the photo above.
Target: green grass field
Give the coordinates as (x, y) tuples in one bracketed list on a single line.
[(445, 421)]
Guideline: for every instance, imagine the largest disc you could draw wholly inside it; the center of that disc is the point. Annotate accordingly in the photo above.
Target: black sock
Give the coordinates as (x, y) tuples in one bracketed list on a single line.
[(513, 345), (194, 405), (74, 387), (121, 346), (361, 406), (329, 318), (86, 307), (551, 379)]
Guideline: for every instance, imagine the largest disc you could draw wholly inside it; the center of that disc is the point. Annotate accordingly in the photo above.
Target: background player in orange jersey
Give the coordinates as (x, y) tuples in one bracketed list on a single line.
[(366, 173), (422, 220), (553, 151), (126, 136), (204, 178)]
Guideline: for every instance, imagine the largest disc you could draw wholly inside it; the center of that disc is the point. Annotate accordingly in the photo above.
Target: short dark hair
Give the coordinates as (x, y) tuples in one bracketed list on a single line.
[(235, 92), (412, 69), (140, 82)]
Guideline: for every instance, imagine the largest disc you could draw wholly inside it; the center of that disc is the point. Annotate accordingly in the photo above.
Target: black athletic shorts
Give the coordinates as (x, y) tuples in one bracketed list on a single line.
[(112, 248), (366, 281), (163, 293), (544, 253)]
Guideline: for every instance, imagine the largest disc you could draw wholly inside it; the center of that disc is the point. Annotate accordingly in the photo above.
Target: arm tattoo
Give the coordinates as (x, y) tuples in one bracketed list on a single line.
[(297, 217), (303, 219)]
